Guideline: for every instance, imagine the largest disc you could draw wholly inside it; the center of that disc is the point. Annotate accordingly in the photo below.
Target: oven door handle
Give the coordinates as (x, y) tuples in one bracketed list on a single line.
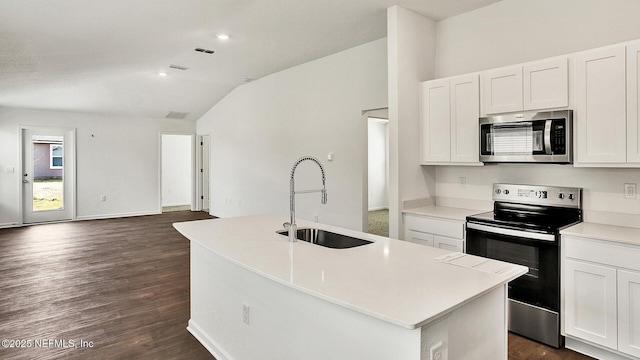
[(511, 232)]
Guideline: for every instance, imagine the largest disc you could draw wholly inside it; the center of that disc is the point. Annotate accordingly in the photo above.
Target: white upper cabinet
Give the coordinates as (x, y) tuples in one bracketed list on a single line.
[(465, 113), (633, 103), (435, 121), (449, 120), (546, 84), (600, 112), (536, 85), (502, 90)]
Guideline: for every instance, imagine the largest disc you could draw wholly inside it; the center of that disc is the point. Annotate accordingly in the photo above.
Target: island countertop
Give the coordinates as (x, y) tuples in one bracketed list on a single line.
[(395, 281)]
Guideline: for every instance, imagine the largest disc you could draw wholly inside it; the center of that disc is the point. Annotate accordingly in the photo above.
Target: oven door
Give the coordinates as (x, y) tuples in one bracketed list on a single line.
[(539, 252)]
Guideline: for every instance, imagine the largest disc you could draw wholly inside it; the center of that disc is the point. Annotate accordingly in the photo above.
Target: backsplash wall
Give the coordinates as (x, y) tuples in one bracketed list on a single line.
[(603, 188)]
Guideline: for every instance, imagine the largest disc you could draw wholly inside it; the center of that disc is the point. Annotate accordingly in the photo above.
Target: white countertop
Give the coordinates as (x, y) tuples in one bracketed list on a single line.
[(619, 234), (443, 212), (392, 280)]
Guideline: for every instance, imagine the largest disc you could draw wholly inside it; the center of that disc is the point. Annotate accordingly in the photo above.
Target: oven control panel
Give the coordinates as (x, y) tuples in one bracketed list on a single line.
[(535, 194)]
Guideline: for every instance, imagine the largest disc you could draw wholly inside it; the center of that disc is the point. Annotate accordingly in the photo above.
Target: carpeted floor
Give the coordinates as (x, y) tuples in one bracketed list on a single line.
[(379, 222)]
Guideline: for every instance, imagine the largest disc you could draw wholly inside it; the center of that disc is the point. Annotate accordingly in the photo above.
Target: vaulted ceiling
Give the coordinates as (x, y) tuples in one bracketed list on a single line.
[(105, 56)]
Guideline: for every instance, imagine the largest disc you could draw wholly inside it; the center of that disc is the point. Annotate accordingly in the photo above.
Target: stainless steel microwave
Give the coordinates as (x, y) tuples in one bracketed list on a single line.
[(541, 137)]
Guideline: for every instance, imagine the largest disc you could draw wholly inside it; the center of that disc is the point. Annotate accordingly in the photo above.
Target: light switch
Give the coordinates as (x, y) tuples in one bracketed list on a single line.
[(10, 170), (330, 156)]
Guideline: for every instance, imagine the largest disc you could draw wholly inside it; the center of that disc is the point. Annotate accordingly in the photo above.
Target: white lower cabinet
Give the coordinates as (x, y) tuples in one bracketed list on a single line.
[(629, 312), (432, 231), (590, 303), (601, 283)]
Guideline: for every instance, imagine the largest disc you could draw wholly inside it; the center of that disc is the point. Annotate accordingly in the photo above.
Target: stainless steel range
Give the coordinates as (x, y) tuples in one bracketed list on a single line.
[(524, 228)]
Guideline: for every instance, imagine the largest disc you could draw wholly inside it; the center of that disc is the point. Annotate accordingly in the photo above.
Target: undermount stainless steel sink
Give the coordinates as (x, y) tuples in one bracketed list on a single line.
[(326, 238)]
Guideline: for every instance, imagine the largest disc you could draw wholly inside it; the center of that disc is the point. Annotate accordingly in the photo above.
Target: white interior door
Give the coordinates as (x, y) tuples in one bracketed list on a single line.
[(47, 175)]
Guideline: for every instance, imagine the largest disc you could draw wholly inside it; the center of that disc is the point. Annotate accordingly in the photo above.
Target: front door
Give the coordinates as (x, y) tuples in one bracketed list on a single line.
[(47, 175)]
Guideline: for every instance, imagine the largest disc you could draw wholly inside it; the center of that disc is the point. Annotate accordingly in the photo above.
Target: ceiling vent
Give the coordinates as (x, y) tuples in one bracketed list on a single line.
[(176, 115), (206, 51), (178, 67)]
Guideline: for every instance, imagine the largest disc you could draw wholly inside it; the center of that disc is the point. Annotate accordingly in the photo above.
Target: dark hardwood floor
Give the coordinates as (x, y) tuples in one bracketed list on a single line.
[(122, 284)]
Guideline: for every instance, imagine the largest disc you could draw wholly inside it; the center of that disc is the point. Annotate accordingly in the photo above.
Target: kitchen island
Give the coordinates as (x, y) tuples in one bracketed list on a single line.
[(255, 295)]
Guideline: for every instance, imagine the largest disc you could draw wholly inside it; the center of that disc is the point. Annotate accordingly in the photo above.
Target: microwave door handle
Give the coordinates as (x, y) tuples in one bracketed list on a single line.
[(547, 137)]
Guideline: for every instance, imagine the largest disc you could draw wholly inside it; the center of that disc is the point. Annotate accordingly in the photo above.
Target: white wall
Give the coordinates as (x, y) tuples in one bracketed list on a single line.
[(177, 169), (377, 159), (117, 157), (261, 128), (515, 31), (411, 43)]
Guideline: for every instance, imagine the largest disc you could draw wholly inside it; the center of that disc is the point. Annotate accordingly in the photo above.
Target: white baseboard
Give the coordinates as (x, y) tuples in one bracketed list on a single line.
[(594, 351), (214, 348), (9, 225), (119, 215)]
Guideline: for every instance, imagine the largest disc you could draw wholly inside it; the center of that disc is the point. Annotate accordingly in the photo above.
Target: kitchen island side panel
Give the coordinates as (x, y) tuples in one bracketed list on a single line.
[(285, 323)]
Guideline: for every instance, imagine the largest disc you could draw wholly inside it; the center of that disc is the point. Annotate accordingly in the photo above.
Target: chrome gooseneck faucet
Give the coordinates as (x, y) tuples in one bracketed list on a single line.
[(291, 225)]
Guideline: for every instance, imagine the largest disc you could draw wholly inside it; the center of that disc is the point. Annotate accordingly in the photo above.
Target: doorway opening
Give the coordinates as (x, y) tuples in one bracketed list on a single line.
[(377, 172), (48, 174), (177, 172)]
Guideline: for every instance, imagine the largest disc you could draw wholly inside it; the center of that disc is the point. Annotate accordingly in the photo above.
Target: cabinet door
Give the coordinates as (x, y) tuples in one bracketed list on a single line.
[(435, 121), (448, 243), (465, 111), (419, 237), (546, 84), (629, 312), (502, 90), (590, 303), (600, 112), (633, 103)]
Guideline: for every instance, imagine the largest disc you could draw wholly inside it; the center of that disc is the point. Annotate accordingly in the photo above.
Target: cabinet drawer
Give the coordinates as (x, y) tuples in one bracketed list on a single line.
[(419, 238), (450, 228), (450, 244), (603, 252)]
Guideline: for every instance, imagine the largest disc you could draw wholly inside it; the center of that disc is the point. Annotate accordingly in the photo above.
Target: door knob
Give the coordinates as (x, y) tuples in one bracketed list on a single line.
[(25, 181)]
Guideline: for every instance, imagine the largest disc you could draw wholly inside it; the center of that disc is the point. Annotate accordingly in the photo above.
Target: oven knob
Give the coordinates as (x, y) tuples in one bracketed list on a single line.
[(560, 196), (506, 192), (498, 191), (571, 197)]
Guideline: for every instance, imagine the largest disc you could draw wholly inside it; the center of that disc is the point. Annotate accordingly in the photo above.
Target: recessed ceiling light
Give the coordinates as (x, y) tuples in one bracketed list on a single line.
[(162, 74), (222, 36)]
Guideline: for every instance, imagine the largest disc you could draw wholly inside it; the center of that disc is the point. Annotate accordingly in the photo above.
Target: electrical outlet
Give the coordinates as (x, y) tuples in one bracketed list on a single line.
[(630, 191), (438, 351), (315, 218), (245, 313), (462, 182)]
